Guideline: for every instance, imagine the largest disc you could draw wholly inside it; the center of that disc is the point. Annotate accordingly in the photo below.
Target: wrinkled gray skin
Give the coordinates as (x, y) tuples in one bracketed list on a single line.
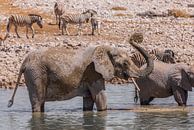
[(59, 73), (166, 56), (167, 80)]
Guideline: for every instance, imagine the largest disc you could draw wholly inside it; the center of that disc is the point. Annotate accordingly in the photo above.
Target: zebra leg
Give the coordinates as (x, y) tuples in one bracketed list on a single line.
[(98, 27), (79, 29), (56, 19), (93, 28), (136, 95), (59, 19), (16, 31), (8, 29), (32, 31), (27, 32), (65, 25)]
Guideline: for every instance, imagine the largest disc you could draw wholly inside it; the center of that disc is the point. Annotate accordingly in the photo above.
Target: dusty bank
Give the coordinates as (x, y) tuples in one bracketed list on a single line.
[(119, 20)]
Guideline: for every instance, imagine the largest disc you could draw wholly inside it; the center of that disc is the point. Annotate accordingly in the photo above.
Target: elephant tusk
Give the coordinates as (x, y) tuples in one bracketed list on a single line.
[(133, 80)]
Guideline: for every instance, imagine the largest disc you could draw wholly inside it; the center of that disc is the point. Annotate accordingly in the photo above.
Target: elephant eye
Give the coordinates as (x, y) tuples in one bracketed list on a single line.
[(125, 64), (189, 73), (119, 65)]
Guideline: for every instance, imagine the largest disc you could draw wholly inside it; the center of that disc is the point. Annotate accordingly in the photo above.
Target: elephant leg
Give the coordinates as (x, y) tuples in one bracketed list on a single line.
[(88, 103), (36, 94), (100, 100), (36, 90), (146, 101), (180, 96), (97, 90)]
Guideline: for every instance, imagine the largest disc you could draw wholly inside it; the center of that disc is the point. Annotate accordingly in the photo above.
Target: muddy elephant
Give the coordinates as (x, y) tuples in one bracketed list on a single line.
[(166, 80), (58, 73)]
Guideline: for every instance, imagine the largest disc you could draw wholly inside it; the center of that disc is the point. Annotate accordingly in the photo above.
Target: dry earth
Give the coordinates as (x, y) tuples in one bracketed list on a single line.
[(119, 20)]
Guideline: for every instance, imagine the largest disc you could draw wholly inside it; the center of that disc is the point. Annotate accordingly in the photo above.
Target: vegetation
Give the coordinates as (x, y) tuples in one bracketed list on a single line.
[(119, 8), (178, 13)]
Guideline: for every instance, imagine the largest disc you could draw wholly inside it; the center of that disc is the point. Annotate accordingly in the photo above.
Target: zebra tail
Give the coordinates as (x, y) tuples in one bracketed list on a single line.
[(59, 23)]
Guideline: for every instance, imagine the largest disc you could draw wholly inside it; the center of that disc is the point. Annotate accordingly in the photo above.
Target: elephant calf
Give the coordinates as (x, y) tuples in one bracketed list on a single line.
[(59, 73), (166, 80)]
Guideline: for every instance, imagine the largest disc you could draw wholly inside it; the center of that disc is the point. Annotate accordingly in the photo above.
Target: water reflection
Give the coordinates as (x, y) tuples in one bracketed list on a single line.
[(68, 115), (166, 120), (94, 121), (37, 122), (86, 121)]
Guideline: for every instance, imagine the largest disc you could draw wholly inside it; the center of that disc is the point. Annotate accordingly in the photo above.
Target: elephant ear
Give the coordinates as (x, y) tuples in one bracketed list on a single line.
[(102, 62), (181, 79), (185, 83)]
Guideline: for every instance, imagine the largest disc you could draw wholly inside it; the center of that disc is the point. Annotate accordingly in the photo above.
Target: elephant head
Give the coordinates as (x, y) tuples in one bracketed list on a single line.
[(117, 63)]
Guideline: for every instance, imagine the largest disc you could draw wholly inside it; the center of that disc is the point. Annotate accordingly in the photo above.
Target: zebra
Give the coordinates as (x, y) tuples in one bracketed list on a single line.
[(95, 22), (58, 11), (21, 21), (84, 17), (166, 56)]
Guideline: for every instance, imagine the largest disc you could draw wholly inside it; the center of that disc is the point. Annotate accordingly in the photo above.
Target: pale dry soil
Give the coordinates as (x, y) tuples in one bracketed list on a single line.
[(117, 24)]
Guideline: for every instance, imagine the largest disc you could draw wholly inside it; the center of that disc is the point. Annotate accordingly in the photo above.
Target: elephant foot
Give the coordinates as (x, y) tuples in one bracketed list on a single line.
[(146, 101), (181, 104), (38, 108)]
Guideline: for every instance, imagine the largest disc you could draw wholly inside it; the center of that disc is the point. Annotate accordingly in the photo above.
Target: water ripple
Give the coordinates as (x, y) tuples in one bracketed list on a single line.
[(69, 115)]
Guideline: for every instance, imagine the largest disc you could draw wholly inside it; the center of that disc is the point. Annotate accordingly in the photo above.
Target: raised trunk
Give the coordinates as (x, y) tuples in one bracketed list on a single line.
[(138, 38)]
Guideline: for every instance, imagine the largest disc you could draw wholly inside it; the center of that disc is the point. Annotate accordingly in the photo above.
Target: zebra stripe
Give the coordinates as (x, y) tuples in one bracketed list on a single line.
[(76, 19), (139, 60), (166, 56), (21, 21)]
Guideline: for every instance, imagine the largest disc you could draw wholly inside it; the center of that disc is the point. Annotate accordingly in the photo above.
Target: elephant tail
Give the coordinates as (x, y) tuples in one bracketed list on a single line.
[(22, 69)]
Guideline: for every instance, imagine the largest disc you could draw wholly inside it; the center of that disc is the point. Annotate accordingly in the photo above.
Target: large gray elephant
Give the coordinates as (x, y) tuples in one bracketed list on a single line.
[(59, 73), (166, 80)]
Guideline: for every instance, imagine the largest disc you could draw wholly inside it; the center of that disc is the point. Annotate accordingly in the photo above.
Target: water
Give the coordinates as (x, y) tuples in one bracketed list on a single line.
[(68, 115)]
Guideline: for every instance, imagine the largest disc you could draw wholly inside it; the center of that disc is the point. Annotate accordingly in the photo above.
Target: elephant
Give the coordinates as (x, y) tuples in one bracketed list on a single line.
[(166, 56), (166, 80), (58, 73)]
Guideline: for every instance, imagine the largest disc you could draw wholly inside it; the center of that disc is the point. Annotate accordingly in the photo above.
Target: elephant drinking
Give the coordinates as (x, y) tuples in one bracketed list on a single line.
[(166, 80)]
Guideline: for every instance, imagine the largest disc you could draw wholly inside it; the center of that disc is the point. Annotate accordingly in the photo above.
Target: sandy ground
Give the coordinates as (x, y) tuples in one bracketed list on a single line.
[(119, 20)]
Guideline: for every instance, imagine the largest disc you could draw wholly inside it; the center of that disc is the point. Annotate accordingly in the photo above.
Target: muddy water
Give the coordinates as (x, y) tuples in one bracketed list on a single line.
[(69, 115)]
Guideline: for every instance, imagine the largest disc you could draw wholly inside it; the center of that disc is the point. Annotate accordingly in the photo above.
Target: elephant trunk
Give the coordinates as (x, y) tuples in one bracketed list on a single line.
[(138, 38)]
